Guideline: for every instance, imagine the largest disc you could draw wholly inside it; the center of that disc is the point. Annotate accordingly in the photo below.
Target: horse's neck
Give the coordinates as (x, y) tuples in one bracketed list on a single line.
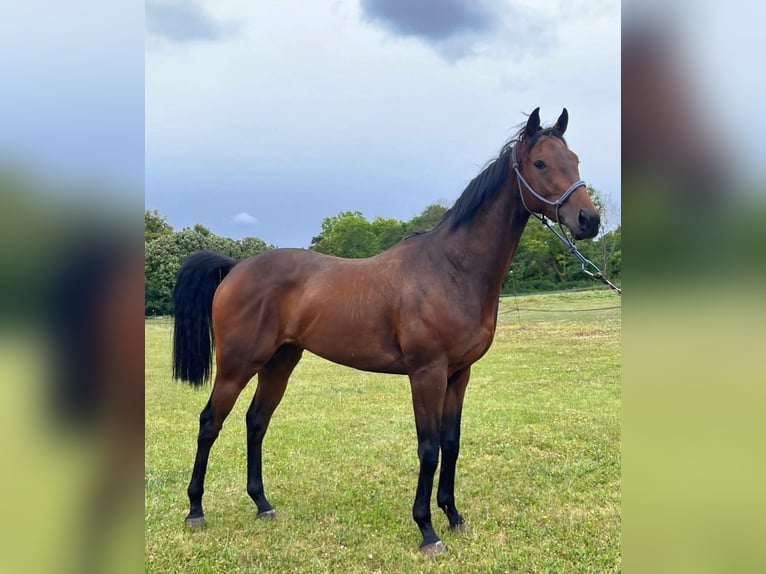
[(483, 248)]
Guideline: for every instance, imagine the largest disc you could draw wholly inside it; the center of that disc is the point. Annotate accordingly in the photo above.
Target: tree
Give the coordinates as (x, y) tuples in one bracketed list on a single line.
[(609, 239), (388, 232), (155, 225), (164, 255), (249, 246), (201, 229), (429, 217), (347, 234), (162, 259), (535, 263), (610, 249)]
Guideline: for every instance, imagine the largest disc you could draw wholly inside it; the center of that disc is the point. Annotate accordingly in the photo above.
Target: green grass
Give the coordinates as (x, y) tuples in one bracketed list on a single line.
[(538, 479)]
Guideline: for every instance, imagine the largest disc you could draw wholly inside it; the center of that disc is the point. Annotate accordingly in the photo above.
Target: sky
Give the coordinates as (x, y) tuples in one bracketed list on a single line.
[(263, 118), (72, 92)]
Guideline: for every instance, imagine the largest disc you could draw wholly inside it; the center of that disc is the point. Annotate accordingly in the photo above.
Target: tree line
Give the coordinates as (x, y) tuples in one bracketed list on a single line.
[(165, 250), (541, 262)]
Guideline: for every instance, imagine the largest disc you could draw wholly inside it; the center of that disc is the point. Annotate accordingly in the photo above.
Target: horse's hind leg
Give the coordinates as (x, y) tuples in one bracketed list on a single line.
[(272, 381), (226, 389), (450, 447)]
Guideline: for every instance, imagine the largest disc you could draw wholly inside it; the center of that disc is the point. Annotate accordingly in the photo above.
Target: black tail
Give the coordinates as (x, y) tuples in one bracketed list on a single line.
[(196, 283)]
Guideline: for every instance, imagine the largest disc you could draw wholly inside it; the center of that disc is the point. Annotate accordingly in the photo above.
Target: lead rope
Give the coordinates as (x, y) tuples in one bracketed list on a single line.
[(584, 261)]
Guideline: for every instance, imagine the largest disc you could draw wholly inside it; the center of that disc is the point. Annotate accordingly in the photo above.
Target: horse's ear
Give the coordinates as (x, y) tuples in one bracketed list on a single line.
[(533, 123), (561, 123)]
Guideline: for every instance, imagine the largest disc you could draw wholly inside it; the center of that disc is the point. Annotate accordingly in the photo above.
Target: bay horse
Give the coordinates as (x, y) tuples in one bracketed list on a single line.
[(426, 308)]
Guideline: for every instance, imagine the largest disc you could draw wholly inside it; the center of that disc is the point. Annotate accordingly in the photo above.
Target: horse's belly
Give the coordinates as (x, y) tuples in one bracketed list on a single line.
[(372, 358), (361, 344)]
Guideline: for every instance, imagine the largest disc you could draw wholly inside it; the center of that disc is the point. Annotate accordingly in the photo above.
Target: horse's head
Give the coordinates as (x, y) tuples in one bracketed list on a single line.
[(549, 179)]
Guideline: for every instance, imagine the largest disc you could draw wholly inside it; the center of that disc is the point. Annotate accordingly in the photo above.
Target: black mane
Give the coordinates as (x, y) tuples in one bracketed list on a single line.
[(484, 186)]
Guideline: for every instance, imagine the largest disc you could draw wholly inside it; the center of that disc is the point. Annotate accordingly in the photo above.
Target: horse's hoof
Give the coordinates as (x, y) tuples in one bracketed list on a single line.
[(194, 521), (268, 515), (437, 547), (461, 528)]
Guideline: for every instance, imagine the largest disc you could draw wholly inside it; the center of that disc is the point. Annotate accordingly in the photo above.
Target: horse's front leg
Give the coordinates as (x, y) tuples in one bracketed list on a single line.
[(450, 446), (428, 387)]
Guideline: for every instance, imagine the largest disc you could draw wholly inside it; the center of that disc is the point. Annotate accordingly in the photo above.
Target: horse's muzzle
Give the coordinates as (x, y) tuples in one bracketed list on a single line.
[(589, 221)]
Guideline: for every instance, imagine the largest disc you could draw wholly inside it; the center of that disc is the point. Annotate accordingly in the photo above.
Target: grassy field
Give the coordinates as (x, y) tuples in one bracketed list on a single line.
[(538, 478)]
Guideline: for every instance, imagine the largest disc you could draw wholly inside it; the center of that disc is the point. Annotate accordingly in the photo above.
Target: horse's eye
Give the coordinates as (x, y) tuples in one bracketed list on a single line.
[(539, 164)]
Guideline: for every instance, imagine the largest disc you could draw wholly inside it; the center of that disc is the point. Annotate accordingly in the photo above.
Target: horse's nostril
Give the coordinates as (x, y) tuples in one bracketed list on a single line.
[(589, 221)]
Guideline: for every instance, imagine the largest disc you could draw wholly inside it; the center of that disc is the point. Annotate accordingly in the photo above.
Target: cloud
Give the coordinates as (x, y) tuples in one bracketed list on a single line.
[(461, 28), (245, 218), (185, 21), (430, 19)]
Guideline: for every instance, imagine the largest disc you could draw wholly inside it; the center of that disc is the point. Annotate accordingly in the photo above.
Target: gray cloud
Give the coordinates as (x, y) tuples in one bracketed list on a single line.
[(429, 19), (460, 28), (185, 21)]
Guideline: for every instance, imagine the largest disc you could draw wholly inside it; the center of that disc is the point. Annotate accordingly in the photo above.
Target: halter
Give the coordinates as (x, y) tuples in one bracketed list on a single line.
[(562, 236)]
